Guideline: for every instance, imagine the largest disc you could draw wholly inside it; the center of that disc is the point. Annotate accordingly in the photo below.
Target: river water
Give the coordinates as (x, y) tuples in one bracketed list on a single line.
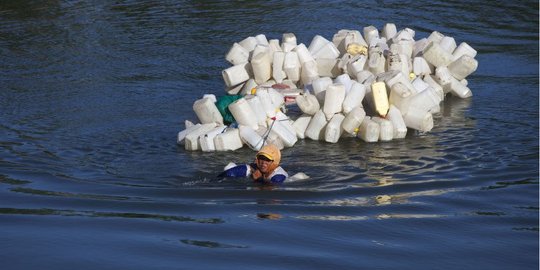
[(92, 94)]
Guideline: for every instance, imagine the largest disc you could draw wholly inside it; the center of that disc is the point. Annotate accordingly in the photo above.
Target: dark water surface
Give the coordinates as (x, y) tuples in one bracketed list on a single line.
[(92, 94)]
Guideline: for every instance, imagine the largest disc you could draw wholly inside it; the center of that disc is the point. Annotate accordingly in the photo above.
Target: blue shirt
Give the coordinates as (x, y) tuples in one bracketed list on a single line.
[(278, 176)]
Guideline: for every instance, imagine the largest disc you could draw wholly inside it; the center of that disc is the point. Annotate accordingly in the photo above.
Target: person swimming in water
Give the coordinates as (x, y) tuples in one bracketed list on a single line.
[(266, 168)]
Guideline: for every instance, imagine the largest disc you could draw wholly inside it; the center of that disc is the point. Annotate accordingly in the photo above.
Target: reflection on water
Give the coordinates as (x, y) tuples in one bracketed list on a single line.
[(73, 213)]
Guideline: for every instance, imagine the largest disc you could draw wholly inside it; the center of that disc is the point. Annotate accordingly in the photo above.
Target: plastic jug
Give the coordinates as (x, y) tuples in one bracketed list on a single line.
[(389, 30), (248, 86), (207, 112), (436, 55), (237, 55), (256, 105), (344, 79), (317, 43), (353, 120), (250, 137), (228, 140), (370, 33), (426, 100), (380, 98), (315, 129), (436, 87), (206, 141), (448, 44), (398, 124), (261, 66), (464, 49), (243, 114), (182, 134), (236, 74), (354, 97), (386, 129), (333, 100), (308, 103), (300, 125), (266, 101), (284, 130), (261, 39), (270, 138), (333, 128), (328, 67), (319, 88), (376, 61), (192, 138), (303, 54), (277, 68), (462, 67), (309, 72), (291, 66), (419, 119), (421, 66), (249, 43), (369, 130), (357, 64), (328, 50)]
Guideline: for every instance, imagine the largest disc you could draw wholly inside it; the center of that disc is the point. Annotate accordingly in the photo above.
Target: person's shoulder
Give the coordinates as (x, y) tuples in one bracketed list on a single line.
[(281, 171)]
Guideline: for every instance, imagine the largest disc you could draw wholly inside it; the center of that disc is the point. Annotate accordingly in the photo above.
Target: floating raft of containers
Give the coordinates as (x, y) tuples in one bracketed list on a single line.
[(375, 85)]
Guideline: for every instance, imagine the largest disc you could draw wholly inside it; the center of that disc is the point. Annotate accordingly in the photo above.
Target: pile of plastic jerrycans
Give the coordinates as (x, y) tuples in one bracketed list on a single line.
[(371, 85)]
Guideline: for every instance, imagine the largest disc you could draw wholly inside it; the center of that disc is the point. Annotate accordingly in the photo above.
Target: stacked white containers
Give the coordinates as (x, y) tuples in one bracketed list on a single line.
[(370, 83)]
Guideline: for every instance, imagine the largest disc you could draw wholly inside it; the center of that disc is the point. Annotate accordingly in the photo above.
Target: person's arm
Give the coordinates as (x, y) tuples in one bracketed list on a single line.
[(278, 176), (243, 170), (278, 179)]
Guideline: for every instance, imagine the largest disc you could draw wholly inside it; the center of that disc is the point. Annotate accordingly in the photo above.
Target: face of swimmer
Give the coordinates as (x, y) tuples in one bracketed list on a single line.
[(263, 163)]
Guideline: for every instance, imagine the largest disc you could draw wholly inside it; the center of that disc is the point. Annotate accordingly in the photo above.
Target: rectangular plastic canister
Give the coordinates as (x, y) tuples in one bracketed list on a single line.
[(249, 43), (328, 67), (328, 50), (236, 74), (319, 88), (207, 112), (369, 130), (277, 67), (419, 119), (464, 49), (436, 55), (303, 53), (315, 129), (250, 137), (308, 103), (353, 120), (399, 127), (228, 140), (354, 97), (333, 99), (386, 129), (463, 67), (333, 128), (309, 72), (317, 43), (380, 98), (256, 105), (182, 134), (243, 114), (192, 138), (300, 125), (291, 66), (237, 55), (206, 141), (261, 66), (284, 130)]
